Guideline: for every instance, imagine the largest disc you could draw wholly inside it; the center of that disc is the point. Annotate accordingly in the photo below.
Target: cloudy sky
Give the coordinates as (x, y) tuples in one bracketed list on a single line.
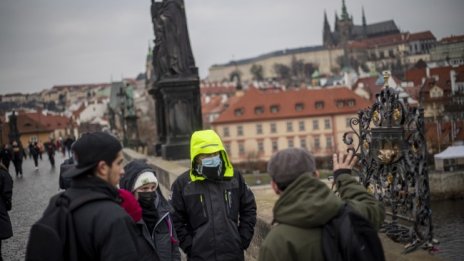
[(53, 42)]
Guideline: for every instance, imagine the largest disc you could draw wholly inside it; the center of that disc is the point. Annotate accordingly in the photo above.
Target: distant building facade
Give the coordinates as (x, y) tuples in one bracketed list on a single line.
[(261, 122)]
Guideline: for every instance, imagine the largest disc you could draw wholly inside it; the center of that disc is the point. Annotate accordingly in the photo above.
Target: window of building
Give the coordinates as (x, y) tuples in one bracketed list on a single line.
[(260, 146), (227, 147), (303, 143), (317, 143), (327, 124), (315, 124), (275, 146), (239, 130), (328, 142), (299, 106), (351, 103), (289, 126), (241, 148), (238, 111), (301, 125), (225, 132), (259, 110), (319, 105), (259, 128), (275, 108), (348, 122), (290, 142), (273, 127), (391, 53)]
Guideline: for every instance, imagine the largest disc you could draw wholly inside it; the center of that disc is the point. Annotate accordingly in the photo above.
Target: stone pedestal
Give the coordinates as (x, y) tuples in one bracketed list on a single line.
[(178, 115)]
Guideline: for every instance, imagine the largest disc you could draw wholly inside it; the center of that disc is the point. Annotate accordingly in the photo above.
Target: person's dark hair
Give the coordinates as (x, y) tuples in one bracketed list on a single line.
[(283, 185)]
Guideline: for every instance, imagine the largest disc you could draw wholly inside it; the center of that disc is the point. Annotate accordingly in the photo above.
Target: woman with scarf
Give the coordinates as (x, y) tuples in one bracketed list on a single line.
[(156, 224)]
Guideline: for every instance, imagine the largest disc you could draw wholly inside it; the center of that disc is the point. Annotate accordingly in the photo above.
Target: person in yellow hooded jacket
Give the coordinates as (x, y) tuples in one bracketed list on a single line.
[(215, 211)]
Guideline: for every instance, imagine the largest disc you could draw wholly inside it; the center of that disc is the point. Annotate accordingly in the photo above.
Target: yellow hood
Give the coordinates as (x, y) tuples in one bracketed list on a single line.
[(207, 142)]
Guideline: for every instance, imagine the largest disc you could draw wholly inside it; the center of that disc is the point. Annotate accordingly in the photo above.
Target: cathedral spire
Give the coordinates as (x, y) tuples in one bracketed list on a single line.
[(327, 34), (363, 17), (345, 15), (364, 23)]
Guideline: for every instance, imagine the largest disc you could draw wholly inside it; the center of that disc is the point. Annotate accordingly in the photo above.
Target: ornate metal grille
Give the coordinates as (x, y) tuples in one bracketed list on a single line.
[(392, 164)]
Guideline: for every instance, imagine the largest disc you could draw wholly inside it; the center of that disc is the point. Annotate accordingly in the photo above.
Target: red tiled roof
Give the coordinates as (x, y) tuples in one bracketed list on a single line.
[(50, 122), (453, 39), (386, 40), (209, 107), (217, 90), (78, 112), (420, 36), (287, 100)]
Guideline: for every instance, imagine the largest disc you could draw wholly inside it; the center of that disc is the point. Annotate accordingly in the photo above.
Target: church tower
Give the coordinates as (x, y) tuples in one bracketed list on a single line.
[(327, 33), (345, 25), (364, 24)]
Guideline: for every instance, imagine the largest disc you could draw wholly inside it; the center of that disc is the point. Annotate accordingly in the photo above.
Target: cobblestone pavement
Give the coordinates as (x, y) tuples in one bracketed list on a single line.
[(31, 194)]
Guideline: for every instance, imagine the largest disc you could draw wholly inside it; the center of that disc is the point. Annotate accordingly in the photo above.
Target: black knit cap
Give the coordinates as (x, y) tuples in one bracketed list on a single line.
[(90, 149)]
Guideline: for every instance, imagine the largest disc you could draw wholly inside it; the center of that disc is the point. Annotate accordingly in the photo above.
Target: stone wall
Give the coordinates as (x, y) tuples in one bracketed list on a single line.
[(446, 185)]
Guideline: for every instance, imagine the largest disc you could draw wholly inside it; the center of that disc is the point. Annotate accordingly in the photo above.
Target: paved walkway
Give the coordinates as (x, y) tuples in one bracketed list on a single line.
[(31, 194)]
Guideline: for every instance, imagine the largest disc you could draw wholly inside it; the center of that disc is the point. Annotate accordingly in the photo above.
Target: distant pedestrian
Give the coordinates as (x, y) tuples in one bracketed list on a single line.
[(34, 152), (50, 148), (6, 155), (156, 225), (306, 204), (6, 192), (104, 231), (68, 143), (17, 158)]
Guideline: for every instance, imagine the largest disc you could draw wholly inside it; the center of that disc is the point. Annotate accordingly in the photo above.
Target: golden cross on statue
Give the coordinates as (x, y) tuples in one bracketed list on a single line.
[(386, 76)]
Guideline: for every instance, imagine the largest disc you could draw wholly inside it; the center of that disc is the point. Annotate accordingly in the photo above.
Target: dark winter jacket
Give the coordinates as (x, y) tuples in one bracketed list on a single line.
[(163, 236), (214, 219), (65, 183), (6, 156), (104, 230), (17, 153), (304, 207), (6, 191)]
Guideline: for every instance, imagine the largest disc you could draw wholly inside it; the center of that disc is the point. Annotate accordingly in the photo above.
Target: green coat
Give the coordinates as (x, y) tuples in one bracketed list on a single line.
[(304, 207)]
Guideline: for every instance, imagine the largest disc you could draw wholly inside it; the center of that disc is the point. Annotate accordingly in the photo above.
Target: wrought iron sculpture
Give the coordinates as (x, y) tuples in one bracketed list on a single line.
[(392, 164)]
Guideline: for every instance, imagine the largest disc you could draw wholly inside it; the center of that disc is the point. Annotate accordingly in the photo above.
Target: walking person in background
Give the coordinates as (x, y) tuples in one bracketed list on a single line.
[(51, 148), (17, 158), (306, 204), (6, 155), (215, 211), (156, 224), (6, 192), (34, 151)]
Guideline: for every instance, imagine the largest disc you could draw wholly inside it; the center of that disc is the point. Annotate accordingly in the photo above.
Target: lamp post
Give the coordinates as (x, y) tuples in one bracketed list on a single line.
[(392, 164)]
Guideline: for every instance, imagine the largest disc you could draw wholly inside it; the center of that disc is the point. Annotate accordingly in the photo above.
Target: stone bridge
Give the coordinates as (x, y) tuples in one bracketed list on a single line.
[(168, 171)]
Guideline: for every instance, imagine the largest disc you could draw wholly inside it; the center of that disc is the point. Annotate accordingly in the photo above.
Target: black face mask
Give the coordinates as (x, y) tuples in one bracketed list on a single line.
[(213, 173), (147, 199), (211, 168)]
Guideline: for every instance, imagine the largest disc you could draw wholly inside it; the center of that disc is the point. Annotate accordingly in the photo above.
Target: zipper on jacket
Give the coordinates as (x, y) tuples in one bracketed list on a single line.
[(202, 205), (226, 198)]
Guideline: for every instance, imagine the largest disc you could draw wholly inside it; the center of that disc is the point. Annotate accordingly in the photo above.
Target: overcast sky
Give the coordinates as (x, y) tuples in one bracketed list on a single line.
[(54, 42)]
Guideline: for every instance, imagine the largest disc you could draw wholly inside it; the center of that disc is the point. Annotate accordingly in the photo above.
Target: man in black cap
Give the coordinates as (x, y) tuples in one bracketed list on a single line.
[(306, 204), (103, 230)]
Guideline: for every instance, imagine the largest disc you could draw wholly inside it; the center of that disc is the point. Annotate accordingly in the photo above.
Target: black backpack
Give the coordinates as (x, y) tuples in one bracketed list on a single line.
[(349, 236), (53, 236)]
